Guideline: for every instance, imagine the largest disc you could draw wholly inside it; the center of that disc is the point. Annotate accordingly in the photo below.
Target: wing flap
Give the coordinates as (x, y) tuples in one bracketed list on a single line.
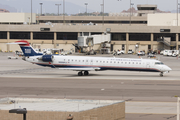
[(81, 69)]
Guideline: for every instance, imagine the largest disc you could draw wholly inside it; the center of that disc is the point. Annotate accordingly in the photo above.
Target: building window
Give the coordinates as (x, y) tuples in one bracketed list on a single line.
[(67, 36), (19, 35), (118, 36), (160, 36), (139, 37), (43, 35), (3, 35)]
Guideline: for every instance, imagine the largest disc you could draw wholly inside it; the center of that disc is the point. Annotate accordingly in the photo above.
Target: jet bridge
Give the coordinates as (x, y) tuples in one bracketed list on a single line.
[(89, 41)]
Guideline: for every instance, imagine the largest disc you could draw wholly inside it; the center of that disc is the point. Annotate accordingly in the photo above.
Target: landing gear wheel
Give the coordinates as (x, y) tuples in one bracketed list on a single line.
[(161, 74), (80, 74), (86, 73)]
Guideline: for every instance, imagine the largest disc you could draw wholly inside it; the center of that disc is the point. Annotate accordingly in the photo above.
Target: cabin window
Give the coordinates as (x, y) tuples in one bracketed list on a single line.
[(129, 62), (118, 62), (64, 59), (91, 60), (121, 62), (103, 61), (97, 61), (68, 60), (133, 63), (86, 60), (159, 63), (111, 62), (72, 60), (114, 62), (107, 61), (79, 60), (83, 61), (125, 62)]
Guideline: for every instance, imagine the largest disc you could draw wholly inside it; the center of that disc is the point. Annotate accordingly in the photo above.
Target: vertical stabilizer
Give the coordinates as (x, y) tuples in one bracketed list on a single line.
[(26, 48)]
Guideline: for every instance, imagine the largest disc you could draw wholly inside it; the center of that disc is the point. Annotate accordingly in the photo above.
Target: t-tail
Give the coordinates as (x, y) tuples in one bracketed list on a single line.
[(26, 48)]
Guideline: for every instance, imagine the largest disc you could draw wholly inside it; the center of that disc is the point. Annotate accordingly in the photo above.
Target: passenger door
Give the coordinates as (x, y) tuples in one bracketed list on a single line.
[(148, 65)]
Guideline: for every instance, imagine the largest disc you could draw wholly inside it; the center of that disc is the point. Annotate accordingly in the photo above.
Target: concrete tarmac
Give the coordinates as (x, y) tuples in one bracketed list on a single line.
[(147, 94)]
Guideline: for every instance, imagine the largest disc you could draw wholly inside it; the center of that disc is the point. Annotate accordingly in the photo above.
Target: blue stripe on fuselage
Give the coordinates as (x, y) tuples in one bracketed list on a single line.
[(103, 68), (28, 51)]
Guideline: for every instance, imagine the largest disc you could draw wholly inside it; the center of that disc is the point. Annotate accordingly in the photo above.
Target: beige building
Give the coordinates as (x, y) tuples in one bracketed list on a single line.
[(147, 31), (17, 18)]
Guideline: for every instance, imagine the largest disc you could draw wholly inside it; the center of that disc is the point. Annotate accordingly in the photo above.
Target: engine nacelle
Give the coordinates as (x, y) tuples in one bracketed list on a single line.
[(47, 58)]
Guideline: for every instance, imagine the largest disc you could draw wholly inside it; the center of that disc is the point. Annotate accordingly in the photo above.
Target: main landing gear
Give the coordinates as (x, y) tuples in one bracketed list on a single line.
[(161, 74), (86, 73)]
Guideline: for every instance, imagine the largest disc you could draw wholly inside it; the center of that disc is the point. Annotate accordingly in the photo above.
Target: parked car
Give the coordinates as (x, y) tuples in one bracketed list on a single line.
[(118, 53), (161, 53), (151, 55), (141, 53), (130, 51), (122, 51)]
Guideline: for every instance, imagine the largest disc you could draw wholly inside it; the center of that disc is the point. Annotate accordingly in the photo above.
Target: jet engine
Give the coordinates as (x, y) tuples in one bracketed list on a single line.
[(47, 58)]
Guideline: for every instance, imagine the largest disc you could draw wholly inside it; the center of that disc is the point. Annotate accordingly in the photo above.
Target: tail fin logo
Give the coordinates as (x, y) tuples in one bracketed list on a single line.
[(27, 51)]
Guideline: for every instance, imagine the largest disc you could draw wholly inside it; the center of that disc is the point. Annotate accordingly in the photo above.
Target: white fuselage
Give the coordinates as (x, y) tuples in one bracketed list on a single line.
[(104, 63)]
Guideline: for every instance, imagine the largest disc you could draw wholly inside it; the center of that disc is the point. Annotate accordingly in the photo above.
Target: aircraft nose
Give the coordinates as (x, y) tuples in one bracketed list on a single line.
[(168, 68)]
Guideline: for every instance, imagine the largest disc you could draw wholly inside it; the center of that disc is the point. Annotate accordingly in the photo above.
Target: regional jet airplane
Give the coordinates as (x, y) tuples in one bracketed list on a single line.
[(85, 64)]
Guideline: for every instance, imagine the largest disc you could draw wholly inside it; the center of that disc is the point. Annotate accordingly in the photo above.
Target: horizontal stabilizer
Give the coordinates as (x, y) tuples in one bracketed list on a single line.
[(81, 69), (17, 43)]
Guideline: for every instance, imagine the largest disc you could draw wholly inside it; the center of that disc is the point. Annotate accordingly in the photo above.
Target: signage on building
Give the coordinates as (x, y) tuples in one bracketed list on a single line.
[(45, 29), (165, 30)]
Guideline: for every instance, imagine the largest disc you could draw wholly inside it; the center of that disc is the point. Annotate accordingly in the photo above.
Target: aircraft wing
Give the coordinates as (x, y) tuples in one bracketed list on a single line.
[(81, 69)]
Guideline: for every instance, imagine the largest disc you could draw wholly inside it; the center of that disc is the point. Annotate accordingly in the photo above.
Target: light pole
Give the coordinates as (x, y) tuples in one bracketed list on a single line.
[(101, 8), (103, 12), (130, 12), (86, 7), (132, 8), (41, 7), (31, 11), (58, 7), (177, 12), (19, 111), (178, 99), (63, 11)]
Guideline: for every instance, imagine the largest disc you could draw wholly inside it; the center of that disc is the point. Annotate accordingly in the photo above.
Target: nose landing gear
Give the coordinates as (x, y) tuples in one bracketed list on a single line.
[(86, 73), (161, 74)]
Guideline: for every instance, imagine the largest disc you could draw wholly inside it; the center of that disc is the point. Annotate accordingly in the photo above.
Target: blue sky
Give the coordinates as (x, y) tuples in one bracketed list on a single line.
[(93, 5)]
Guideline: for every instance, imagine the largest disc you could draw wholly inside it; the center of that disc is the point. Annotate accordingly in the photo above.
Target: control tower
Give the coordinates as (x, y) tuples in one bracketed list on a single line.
[(143, 10)]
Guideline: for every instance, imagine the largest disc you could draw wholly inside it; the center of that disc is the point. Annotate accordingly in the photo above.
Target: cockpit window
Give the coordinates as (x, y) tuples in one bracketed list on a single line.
[(159, 63)]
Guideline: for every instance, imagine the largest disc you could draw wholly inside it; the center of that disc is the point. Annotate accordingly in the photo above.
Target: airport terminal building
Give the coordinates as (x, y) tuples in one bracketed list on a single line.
[(147, 30)]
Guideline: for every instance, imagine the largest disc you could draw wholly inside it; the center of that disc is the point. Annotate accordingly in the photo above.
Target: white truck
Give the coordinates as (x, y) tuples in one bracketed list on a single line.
[(175, 53), (165, 52), (169, 53)]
